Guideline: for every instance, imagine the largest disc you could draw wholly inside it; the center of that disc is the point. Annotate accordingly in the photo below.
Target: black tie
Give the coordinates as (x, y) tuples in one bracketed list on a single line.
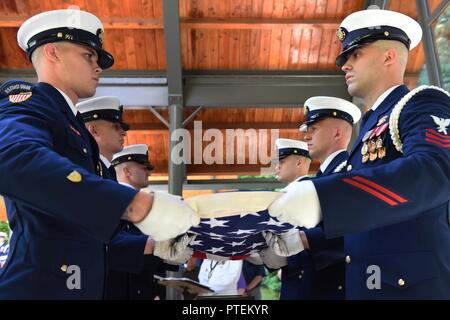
[(80, 119), (365, 117), (112, 171)]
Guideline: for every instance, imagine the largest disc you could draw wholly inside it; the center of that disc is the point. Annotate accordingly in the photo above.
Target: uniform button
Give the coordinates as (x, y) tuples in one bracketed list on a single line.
[(302, 272), (139, 292), (84, 150), (340, 288), (300, 276), (64, 268), (349, 167), (348, 259), (401, 282)]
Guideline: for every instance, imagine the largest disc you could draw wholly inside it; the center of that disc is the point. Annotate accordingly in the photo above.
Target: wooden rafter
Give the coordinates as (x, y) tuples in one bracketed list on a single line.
[(192, 23)]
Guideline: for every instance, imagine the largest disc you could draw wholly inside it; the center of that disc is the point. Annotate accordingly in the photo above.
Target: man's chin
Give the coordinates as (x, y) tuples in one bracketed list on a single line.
[(354, 90), (88, 93)]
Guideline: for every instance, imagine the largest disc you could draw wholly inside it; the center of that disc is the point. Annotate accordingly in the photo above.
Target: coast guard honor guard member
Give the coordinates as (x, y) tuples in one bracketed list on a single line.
[(293, 165), (392, 203), (317, 273), (60, 211), (131, 253), (103, 119)]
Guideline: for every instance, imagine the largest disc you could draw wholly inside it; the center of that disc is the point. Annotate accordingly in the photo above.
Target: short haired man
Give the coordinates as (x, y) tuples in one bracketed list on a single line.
[(61, 212), (393, 200)]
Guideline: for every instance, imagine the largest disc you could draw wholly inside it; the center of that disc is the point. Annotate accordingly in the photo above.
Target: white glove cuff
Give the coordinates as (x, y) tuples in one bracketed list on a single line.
[(159, 222), (293, 241), (299, 206)]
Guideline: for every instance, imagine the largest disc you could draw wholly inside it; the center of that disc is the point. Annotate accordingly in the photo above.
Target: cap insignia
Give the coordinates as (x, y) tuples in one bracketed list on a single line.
[(340, 33), (100, 34)]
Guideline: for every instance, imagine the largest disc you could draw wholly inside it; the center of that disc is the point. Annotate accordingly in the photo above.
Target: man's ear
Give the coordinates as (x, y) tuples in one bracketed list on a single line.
[(337, 133), (51, 52), (390, 56), (126, 170), (92, 129)]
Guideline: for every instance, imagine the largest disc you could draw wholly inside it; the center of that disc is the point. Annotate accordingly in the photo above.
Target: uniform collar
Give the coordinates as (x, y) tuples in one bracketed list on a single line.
[(382, 97), (285, 189), (105, 161), (387, 104), (69, 102), (330, 158), (301, 178), (126, 184)]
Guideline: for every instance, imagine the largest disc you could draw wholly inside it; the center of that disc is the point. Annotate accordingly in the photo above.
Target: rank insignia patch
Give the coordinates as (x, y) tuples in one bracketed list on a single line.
[(74, 176)]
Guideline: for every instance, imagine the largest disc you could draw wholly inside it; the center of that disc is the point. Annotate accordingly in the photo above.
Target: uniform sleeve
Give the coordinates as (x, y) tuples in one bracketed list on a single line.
[(324, 252), (126, 252), (402, 189), (33, 173)]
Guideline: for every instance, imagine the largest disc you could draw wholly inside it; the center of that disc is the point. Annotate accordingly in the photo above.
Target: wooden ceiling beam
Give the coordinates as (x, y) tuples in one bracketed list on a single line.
[(156, 127), (113, 23), (257, 24), (190, 23)]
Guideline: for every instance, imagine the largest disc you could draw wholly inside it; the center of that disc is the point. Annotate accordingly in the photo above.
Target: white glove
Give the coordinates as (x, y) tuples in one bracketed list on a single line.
[(299, 206), (174, 251), (286, 244), (169, 216), (271, 260), (255, 258)]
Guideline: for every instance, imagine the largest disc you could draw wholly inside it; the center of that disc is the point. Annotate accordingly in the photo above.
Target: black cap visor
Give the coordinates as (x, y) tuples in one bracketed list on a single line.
[(367, 39), (78, 36)]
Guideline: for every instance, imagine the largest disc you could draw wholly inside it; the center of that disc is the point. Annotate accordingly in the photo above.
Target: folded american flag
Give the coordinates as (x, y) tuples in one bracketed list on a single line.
[(234, 235)]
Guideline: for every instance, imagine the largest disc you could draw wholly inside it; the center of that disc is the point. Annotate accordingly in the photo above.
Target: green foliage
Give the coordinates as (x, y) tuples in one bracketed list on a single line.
[(262, 177), (272, 282), (271, 286), (441, 37), (4, 227)]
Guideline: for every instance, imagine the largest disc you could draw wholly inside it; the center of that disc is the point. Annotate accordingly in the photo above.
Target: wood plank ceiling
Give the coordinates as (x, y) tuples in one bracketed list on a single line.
[(242, 35)]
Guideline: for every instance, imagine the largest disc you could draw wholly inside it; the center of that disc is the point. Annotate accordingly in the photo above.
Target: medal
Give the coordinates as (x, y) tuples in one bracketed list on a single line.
[(379, 143), (382, 120), (365, 158), (379, 130), (372, 146), (373, 156), (373, 134), (382, 152), (366, 135), (365, 148)]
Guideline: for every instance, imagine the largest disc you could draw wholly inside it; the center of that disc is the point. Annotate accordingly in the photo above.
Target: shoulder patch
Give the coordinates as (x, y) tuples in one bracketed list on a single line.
[(20, 97), (12, 87)]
